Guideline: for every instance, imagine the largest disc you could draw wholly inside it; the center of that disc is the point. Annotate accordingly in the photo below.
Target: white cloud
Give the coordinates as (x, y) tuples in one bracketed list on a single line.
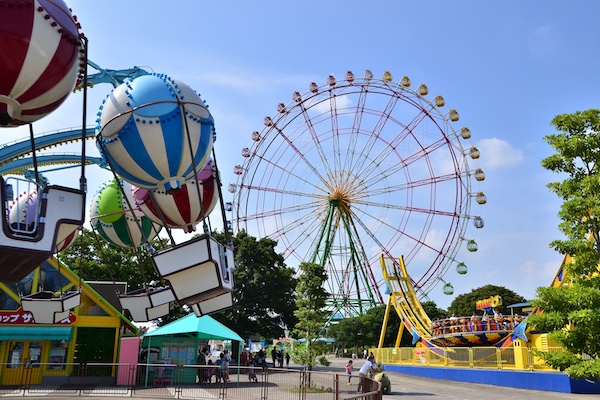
[(541, 41), (496, 153)]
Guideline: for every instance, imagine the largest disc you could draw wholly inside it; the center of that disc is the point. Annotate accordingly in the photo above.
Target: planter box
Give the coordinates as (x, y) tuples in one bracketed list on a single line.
[(198, 270), (47, 309), (214, 304), (147, 304)]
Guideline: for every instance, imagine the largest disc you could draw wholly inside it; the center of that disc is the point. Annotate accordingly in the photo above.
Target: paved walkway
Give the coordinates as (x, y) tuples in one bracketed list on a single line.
[(406, 387), (418, 388)]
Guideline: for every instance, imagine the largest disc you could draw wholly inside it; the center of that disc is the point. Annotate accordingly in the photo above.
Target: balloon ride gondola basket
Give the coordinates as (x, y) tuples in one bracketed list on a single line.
[(147, 304), (48, 308), (42, 222), (198, 270), (217, 303)]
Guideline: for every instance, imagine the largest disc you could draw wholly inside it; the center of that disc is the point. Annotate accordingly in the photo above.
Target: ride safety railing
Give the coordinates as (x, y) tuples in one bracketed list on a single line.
[(182, 382), (510, 358)]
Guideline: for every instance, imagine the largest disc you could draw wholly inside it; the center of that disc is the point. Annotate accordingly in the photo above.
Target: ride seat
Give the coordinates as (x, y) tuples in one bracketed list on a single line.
[(60, 214)]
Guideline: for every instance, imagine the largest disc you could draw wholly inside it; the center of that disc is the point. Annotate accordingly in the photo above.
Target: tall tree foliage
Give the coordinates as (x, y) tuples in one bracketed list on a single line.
[(264, 293), (464, 304), (577, 306), (310, 312), (365, 330)]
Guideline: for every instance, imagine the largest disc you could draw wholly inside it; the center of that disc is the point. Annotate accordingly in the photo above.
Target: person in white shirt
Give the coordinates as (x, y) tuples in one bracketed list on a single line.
[(368, 368)]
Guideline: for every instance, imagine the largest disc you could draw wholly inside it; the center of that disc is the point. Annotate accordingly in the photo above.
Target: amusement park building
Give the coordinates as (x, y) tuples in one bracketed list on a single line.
[(91, 332)]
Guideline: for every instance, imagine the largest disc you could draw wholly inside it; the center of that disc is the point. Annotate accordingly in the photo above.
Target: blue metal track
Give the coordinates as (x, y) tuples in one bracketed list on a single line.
[(18, 167), (10, 152)]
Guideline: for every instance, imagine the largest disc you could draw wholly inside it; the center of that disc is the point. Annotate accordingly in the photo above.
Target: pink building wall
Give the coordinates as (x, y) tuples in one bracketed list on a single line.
[(128, 359)]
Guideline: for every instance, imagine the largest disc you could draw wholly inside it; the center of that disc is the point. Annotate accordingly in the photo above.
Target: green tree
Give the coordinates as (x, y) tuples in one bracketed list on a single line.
[(572, 313), (310, 302), (264, 291), (464, 304), (348, 333), (433, 311)]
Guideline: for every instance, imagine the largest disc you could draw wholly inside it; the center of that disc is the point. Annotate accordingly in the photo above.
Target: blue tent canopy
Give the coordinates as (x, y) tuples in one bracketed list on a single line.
[(205, 327)]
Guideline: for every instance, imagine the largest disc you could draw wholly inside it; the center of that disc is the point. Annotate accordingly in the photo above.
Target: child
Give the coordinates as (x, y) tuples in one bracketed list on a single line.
[(349, 370)]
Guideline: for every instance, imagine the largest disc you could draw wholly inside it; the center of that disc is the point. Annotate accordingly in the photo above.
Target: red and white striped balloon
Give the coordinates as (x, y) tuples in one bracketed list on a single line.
[(181, 209), (41, 59)]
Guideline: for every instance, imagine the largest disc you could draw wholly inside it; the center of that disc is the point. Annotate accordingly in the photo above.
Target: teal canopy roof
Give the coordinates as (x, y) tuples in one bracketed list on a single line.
[(205, 327)]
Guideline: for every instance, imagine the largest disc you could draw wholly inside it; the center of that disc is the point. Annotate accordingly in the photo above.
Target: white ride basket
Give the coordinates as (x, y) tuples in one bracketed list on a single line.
[(147, 304), (217, 303), (24, 247), (200, 272), (47, 308)]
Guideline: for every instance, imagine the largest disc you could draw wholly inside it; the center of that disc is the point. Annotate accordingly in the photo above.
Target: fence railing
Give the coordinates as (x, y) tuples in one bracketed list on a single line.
[(183, 382), (513, 357)]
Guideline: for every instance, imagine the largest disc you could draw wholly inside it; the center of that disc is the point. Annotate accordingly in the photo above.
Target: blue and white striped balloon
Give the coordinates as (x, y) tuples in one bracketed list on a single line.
[(143, 128)]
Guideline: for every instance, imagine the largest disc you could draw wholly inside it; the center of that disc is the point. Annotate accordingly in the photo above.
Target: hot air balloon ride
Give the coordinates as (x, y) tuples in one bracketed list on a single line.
[(157, 134), (115, 218), (43, 55)]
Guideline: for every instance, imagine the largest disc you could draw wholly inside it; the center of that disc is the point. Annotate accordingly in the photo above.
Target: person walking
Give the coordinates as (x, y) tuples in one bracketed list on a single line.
[(287, 359), (349, 367)]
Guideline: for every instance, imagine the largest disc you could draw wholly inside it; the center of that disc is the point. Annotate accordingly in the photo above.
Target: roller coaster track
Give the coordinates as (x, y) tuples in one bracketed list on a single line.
[(13, 156), (14, 160)]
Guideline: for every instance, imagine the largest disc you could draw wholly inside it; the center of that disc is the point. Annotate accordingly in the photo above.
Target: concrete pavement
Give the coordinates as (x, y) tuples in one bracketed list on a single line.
[(403, 387)]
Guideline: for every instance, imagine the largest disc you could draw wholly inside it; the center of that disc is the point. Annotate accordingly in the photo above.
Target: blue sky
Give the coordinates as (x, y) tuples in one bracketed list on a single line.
[(508, 67)]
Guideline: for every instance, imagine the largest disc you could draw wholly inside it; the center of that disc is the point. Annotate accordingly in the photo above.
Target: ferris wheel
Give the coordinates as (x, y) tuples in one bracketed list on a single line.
[(357, 169)]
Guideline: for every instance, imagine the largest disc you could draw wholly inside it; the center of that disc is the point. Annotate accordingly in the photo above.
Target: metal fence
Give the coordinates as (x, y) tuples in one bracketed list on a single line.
[(513, 357), (184, 382)]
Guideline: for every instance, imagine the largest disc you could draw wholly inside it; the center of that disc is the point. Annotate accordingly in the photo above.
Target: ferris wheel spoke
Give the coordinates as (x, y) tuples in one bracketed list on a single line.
[(335, 133), (392, 145), (403, 234), (283, 192), (373, 179), (304, 228), (317, 143), (377, 190), (407, 208), (360, 108), (279, 212), (377, 129), (273, 169), (302, 156)]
